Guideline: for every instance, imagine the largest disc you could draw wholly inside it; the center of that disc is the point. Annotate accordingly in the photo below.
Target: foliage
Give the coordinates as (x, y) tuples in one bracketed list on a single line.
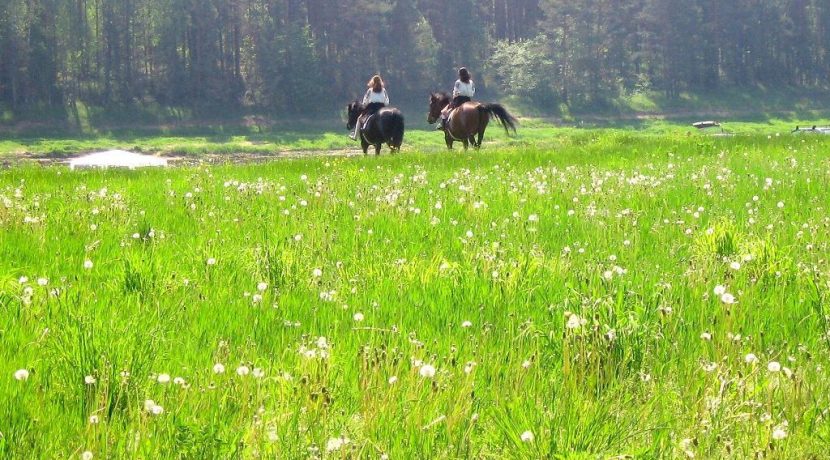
[(281, 55)]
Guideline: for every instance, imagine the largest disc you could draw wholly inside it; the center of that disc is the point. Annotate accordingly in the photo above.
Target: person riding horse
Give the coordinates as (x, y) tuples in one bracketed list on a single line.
[(375, 99), (463, 91), (463, 120)]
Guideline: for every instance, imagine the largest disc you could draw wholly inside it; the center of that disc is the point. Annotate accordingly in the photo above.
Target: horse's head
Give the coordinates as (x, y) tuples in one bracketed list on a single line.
[(437, 102), (353, 110)]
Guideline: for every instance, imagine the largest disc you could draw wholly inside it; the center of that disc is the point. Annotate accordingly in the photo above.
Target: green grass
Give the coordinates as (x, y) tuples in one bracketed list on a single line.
[(472, 263), (224, 140)]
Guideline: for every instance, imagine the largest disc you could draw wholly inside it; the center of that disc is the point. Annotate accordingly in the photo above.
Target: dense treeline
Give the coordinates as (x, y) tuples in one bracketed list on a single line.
[(278, 55)]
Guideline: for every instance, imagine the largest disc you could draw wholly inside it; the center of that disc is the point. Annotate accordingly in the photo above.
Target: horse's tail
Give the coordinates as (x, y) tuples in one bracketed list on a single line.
[(394, 129), (501, 114)]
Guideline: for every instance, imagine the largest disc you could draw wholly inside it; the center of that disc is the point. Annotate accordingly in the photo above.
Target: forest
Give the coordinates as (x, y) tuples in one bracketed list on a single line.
[(282, 56)]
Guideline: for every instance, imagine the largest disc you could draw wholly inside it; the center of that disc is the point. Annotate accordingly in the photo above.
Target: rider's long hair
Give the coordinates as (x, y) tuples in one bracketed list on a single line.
[(464, 75), (376, 83)]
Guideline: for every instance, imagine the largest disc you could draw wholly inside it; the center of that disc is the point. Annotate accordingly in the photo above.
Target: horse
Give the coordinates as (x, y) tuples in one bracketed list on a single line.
[(386, 126), (468, 122)]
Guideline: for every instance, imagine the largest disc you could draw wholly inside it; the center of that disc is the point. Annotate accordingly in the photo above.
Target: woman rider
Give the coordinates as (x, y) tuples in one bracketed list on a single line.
[(375, 99), (463, 91)]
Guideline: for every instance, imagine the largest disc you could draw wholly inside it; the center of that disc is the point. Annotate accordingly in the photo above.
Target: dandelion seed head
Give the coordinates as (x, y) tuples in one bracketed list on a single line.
[(728, 299), (21, 375), (527, 436), (779, 434), (427, 371)]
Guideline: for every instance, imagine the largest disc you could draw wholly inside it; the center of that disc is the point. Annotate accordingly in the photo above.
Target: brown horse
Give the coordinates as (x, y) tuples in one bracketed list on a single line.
[(468, 122)]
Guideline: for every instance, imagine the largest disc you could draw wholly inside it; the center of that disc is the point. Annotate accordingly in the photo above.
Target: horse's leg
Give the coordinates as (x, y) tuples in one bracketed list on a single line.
[(482, 126), (365, 145), (377, 148), (466, 143), (448, 139)]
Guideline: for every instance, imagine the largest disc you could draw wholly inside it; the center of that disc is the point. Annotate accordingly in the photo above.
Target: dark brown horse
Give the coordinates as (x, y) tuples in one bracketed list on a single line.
[(384, 127), (468, 122)]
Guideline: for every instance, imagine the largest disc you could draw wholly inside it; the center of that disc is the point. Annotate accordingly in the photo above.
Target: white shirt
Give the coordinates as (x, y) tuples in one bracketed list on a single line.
[(371, 97), (464, 89)]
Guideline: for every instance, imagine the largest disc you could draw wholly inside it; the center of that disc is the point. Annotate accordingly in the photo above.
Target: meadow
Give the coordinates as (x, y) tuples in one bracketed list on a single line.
[(596, 295)]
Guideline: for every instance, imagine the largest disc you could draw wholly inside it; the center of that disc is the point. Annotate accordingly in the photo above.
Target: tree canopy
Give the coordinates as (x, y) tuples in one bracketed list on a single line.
[(278, 55)]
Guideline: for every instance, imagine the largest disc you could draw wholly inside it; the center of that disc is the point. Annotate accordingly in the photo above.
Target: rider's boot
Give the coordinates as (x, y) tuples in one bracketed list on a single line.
[(353, 134)]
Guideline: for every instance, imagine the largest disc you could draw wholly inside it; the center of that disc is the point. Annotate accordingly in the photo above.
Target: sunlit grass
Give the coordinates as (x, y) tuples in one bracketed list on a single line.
[(519, 302)]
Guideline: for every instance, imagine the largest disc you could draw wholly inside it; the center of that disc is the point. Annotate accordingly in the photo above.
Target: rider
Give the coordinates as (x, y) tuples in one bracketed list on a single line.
[(463, 91), (375, 99)]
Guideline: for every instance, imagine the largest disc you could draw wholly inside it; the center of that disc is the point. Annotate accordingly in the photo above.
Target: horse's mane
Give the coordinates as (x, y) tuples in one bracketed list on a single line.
[(441, 95)]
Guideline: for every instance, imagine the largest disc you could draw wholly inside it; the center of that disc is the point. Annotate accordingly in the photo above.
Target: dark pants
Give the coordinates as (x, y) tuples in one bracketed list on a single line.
[(373, 108), (458, 100)]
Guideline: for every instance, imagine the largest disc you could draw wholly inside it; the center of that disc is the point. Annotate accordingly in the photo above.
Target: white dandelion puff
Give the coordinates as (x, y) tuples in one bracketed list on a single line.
[(574, 322), (21, 375), (427, 371), (335, 444), (218, 368), (778, 434), (774, 366), (527, 436)]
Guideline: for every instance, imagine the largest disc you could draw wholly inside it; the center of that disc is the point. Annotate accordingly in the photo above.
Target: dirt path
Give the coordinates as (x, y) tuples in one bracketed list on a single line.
[(212, 159)]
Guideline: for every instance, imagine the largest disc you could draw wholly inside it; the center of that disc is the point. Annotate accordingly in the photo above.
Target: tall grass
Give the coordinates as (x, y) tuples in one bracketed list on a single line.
[(513, 303)]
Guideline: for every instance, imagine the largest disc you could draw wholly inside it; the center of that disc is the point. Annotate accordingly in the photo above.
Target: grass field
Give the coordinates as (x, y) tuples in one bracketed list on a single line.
[(610, 294), (331, 136)]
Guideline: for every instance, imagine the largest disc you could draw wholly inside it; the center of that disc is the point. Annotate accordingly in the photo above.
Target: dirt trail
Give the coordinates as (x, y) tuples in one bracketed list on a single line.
[(212, 159)]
